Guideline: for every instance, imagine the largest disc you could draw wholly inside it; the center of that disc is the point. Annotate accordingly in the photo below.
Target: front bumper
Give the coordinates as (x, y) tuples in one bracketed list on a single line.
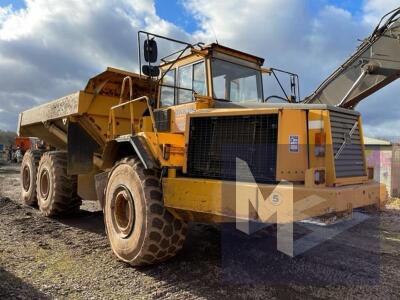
[(224, 201)]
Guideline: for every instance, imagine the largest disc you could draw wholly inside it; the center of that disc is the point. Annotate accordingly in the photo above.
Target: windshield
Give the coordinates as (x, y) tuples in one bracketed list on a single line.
[(236, 83)]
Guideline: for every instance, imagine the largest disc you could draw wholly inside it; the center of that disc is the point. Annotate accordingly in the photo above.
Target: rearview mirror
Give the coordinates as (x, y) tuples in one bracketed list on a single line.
[(150, 50), (151, 71)]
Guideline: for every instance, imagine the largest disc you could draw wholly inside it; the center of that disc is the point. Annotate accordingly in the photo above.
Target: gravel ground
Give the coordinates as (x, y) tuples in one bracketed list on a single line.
[(43, 258)]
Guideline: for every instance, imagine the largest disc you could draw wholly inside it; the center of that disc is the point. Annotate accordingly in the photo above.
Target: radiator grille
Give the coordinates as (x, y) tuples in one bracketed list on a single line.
[(349, 162), (216, 142)]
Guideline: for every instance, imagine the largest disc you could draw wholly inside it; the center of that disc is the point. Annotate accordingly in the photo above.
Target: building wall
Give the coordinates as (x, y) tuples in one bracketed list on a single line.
[(396, 171), (380, 158)]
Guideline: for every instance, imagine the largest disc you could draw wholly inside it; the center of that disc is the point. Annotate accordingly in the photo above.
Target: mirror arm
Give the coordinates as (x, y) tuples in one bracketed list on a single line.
[(280, 85), (172, 64), (266, 71)]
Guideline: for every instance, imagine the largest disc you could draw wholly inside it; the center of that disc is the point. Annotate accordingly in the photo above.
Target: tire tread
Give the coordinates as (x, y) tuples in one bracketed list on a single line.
[(64, 198), (163, 239)]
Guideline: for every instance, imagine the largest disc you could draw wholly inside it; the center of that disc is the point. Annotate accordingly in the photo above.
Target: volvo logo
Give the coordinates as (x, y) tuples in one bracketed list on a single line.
[(346, 139)]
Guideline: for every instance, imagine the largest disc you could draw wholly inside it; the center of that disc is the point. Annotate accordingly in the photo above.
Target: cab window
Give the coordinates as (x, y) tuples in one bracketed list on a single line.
[(199, 79), (192, 78), (185, 85), (236, 83), (178, 85), (167, 94)]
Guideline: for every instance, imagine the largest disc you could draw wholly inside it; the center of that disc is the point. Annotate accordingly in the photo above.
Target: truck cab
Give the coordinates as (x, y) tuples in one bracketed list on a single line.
[(199, 80)]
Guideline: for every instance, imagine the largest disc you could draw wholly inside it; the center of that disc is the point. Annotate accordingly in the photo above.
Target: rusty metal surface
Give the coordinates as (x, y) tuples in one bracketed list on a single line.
[(60, 108), (109, 83), (90, 107)]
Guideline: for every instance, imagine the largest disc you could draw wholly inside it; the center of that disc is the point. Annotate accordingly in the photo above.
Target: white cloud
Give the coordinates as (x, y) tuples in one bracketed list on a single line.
[(51, 48), (292, 36), (287, 33), (374, 10)]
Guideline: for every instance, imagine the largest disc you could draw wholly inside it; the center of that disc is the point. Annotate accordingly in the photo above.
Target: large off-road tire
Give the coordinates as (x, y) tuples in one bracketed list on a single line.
[(29, 167), (140, 230), (56, 191)]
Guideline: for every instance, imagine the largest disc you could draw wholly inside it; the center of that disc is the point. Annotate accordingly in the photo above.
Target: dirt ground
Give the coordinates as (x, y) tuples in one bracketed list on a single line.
[(43, 258)]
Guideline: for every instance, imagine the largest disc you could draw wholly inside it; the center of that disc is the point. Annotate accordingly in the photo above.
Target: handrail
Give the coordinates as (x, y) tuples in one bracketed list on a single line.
[(123, 88), (131, 112)]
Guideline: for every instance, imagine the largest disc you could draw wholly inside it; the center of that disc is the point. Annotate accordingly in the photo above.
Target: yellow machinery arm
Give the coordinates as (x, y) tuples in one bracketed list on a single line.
[(375, 64)]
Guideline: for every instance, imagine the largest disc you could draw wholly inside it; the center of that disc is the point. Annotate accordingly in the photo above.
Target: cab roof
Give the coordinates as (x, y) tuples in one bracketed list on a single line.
[(234, 52), (215, 47)]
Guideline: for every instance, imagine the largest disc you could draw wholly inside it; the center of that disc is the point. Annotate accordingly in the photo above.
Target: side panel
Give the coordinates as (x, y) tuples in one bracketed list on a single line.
[(180, 112), (318, 124), (177, 116), (167, 148), (154, 150), (292, 158)]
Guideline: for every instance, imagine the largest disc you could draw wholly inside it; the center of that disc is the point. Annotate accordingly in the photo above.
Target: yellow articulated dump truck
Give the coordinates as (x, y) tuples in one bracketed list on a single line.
[(183, 141)]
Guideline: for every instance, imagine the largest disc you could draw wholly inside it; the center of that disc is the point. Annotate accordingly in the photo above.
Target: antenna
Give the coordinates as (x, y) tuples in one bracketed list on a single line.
[(215, 35)]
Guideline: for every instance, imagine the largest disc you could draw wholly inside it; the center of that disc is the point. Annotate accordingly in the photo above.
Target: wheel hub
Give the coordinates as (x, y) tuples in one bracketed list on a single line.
[(26, 178), (44, 184), (123, 212)]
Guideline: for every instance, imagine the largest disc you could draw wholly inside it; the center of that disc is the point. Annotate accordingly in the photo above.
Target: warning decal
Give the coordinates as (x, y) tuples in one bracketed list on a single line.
[(294, 143)]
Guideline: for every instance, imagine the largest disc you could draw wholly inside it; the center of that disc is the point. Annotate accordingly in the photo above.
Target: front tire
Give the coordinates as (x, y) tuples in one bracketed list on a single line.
[(56, 191), (140, 230)]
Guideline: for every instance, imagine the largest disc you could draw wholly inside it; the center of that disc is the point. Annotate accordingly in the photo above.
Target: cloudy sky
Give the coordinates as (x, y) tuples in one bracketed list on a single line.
[(49, 48)]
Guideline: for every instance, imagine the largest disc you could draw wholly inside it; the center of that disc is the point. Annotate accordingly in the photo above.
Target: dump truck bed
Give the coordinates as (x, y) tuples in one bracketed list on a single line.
[(91, 106), (57, 109)]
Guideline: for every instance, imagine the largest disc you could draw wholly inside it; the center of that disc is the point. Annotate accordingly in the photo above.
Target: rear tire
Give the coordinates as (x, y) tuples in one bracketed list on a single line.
[(29, 167), (56, 191), (140, 230)]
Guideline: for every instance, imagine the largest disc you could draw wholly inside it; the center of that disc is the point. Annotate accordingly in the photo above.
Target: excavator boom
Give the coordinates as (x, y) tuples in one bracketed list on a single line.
[(375, 64)]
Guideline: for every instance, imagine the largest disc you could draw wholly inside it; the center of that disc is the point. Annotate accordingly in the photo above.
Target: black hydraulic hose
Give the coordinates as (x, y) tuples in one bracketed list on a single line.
[(378, 29)]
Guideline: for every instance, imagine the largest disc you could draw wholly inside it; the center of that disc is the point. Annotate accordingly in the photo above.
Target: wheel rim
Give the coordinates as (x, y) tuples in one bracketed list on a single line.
[(44, 184), (123, 212), (26, 178)]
